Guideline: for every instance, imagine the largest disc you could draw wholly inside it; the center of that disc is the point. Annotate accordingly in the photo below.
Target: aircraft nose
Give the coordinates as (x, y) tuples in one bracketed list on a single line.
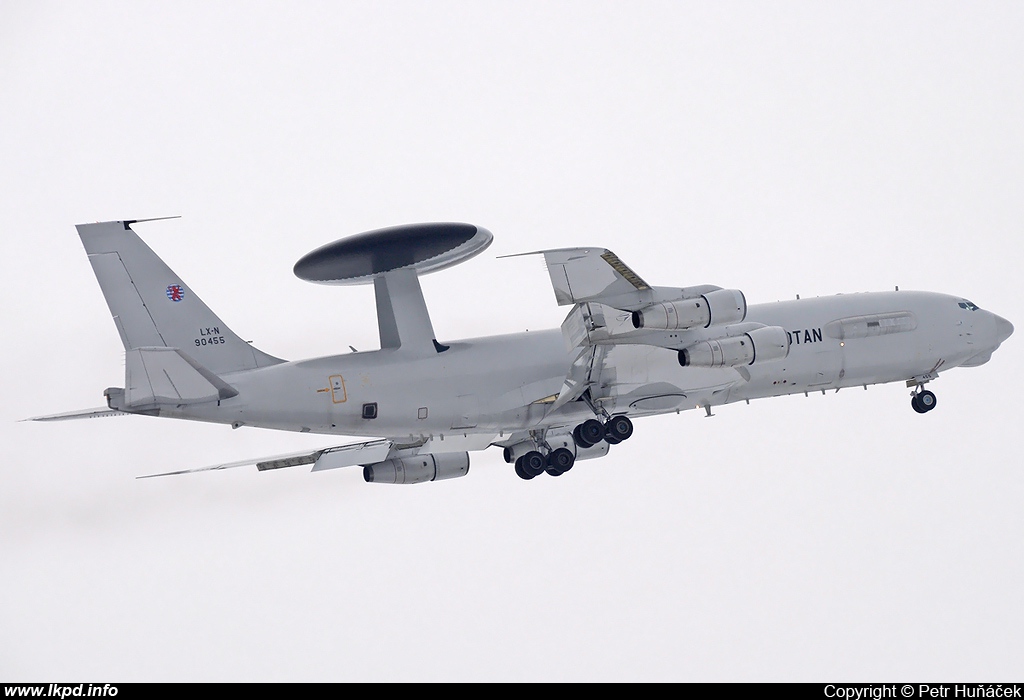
[(1003, 329)]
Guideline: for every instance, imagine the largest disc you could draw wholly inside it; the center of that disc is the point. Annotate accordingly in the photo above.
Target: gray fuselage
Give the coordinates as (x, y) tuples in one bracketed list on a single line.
[(500, 384)]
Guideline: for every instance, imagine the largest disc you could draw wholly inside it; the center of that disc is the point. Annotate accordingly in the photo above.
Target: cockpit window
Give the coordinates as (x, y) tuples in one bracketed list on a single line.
[(967, 305)]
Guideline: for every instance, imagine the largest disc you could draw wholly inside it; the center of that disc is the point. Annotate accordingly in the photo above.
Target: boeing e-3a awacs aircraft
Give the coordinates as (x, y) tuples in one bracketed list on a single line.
[(550, 398)]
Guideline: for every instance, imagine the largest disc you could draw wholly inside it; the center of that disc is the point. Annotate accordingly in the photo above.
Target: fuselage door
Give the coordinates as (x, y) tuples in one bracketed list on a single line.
[(338, 393)]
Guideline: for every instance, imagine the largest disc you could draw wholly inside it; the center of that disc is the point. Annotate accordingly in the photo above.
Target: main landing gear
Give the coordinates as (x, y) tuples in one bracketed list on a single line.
[(922, 400), (533, 463), (613, 431), (560, 460)]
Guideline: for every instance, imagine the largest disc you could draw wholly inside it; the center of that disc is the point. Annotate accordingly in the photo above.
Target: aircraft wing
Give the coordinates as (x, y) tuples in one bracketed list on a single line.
[(589, 274), (597, 275), (605, 294), (607, 297), (369, 452)]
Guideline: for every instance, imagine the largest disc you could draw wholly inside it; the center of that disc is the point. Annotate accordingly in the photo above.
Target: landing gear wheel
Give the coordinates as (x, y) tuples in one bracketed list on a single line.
[(520, 472), (620, 427), (588, 433), (611, 439), (923, 401), (533, 463), (560, 461)]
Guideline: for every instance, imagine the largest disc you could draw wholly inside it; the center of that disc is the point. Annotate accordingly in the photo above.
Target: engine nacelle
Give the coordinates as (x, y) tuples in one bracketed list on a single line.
[(771, 343), (759, 345), (417, 469), (715, 308)]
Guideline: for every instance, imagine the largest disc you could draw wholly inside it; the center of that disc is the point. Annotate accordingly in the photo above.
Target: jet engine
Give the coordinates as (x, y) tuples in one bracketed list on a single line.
[(417, 469), (712, 309), (765, 344)]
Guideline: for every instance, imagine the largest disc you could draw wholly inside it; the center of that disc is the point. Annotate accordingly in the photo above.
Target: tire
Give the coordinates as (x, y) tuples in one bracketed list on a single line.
[(619, 426), (590, 432), (520, 472), (926, 400), (534, 463), (577, 439), (561, 460)]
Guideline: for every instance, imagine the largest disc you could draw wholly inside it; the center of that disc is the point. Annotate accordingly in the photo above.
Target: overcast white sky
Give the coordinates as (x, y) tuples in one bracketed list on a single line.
[(782, 148)]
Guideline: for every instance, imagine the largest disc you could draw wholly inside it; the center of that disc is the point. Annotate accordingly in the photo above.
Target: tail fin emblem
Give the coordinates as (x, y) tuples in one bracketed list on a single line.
[(175, 292)]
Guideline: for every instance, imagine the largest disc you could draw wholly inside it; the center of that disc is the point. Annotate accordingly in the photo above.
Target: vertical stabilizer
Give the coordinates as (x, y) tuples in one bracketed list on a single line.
[(153, 307)]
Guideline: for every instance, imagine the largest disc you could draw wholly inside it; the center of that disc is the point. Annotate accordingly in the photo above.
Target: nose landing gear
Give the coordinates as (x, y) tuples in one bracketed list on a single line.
[(922, 401)]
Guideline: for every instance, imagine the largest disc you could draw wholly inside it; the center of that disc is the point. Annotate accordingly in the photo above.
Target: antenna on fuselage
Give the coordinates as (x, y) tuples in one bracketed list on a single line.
[(392, 259)]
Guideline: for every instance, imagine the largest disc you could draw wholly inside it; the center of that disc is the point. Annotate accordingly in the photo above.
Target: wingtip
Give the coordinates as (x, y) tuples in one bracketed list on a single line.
[(518, 255), (585, 249), (150, 476)]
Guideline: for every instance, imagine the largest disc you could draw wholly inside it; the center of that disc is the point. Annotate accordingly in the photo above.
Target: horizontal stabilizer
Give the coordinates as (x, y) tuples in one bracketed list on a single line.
[(359, 453), (160, 375), (76, 415)]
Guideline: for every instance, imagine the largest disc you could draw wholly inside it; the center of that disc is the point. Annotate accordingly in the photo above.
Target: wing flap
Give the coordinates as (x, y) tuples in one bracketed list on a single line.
[(350, 455)]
